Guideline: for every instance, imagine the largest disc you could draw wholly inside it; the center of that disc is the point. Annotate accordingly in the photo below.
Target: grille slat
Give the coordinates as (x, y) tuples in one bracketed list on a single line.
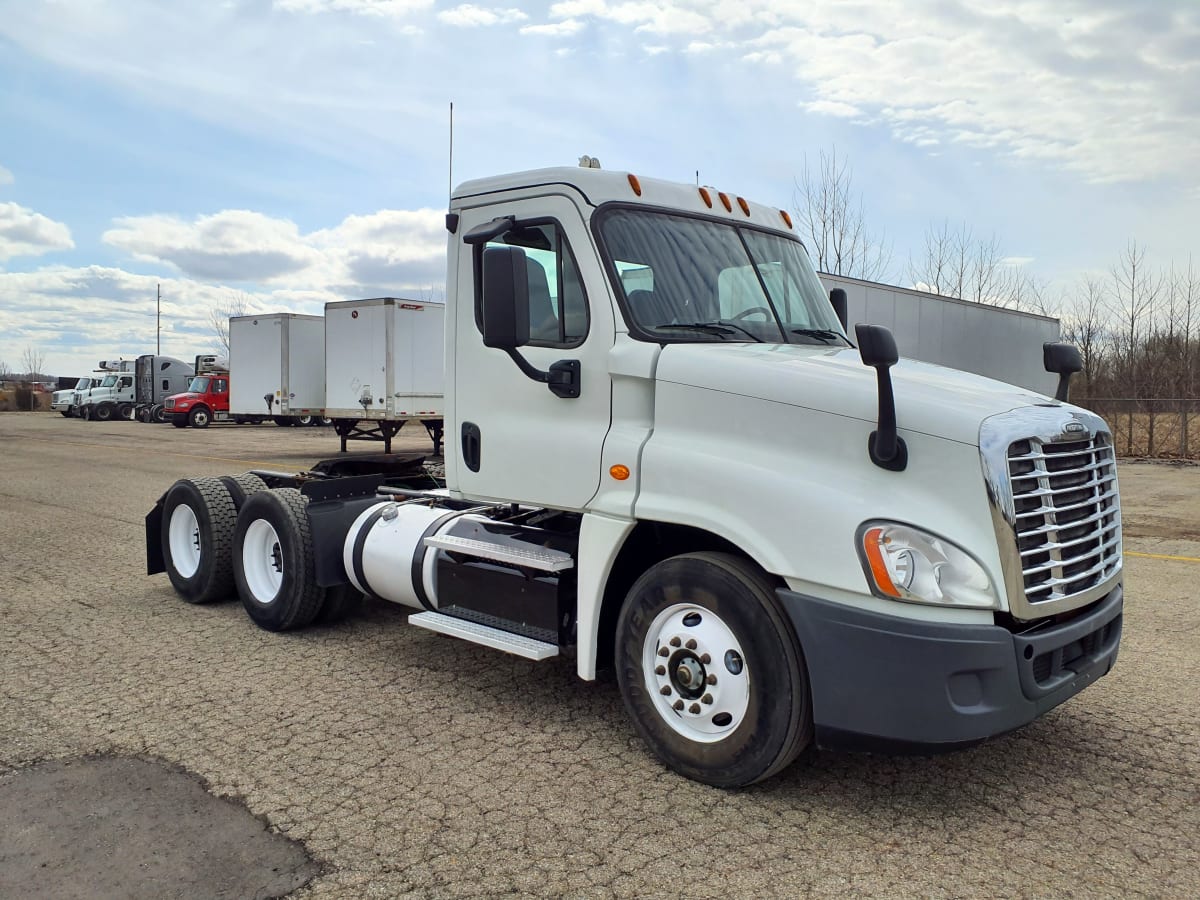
[(1071, 541)]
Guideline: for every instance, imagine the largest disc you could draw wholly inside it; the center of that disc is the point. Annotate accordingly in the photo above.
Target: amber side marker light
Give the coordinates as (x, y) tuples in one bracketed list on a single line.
[(619, 472), (873, 547), (706, 197), (725, 201), (744, 205), (635, 184), (787, 219)]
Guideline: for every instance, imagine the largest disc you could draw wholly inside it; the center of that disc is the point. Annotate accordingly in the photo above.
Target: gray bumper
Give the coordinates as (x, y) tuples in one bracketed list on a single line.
[(882, 682)]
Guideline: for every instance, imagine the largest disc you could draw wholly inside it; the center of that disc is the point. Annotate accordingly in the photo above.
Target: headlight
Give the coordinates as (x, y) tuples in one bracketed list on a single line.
[(906, 563)]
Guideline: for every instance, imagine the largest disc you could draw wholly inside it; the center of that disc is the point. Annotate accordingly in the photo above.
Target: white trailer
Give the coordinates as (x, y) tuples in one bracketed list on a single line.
[(776, 537), (277, 367), (1004, 344), (383, 367)]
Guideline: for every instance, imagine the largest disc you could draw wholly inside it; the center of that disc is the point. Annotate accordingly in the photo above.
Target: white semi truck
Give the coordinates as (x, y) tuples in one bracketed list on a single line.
[(666, 455), (64, 401)]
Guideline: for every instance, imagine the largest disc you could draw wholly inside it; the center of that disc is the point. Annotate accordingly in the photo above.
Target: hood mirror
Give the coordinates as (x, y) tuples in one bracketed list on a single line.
[(877, 347), (1064, 361)]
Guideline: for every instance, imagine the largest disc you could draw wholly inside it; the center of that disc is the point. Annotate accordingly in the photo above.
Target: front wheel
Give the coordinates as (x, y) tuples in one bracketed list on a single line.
[(104, 412), (712, 671), (66, 413), (274, 563), (200, 417)]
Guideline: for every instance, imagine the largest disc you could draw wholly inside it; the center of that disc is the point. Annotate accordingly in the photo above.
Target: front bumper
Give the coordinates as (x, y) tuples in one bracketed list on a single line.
[(885, 683)]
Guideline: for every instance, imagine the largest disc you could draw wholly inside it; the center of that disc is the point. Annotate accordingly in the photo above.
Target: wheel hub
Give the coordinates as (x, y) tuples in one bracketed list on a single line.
[(696, 673)]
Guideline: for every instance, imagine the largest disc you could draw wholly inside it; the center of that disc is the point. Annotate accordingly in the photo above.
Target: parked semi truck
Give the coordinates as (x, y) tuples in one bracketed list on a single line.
[(64, 401), (667, 456), (158, 377)]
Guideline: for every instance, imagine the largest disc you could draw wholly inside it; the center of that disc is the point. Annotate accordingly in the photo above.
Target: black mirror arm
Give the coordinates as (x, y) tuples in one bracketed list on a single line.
[(563, 377)]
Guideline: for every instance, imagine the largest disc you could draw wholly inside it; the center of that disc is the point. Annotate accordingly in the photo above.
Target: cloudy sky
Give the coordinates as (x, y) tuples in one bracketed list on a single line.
[(295, 151)]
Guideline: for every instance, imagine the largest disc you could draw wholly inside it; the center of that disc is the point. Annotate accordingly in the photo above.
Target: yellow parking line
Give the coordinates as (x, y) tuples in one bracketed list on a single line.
[(1162, 556)]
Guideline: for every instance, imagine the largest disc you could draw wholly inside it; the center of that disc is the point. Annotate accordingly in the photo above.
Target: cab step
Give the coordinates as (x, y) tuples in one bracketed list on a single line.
[(484, 634), (533, 558)]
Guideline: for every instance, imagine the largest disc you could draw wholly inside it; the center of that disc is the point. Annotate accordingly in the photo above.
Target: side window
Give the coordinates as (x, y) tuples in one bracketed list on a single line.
[(166, 385), (126, 383), (221, 386), (558, 310)]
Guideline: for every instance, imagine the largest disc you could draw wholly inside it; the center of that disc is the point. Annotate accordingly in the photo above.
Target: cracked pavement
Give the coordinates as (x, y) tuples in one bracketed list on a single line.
[(410, 763)]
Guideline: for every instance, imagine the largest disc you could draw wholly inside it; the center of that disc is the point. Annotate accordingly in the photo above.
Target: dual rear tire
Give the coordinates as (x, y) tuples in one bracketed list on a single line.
[(222, 536)]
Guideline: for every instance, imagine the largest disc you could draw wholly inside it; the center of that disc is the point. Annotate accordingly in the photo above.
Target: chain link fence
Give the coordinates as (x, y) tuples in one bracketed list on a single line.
[(1162, 429)]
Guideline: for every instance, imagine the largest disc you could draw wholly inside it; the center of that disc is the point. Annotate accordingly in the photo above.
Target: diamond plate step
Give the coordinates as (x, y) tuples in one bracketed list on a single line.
[(484, 634), (541, 559)]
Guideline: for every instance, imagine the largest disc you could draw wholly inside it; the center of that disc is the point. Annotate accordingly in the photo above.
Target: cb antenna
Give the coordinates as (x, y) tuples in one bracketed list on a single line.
[(450, 174)]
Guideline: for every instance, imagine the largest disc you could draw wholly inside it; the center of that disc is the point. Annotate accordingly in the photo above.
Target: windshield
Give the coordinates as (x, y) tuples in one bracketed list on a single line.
[(83, 383), (109, 381), (199, 384), (689, 279)]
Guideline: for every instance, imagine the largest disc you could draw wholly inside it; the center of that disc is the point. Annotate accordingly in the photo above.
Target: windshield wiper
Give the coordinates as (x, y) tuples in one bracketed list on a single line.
[(820, 333), (714, 328)]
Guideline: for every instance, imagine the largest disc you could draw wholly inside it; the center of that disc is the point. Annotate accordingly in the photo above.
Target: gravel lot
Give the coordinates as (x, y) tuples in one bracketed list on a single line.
[(410, 763)]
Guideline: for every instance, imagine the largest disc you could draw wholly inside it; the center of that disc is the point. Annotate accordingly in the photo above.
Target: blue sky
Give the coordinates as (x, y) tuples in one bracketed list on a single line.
[(293, 152)]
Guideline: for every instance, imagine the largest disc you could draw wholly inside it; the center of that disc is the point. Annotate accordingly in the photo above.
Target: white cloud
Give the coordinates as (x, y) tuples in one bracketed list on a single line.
[(6, 177), (468, 15), (395, 9), (387, 250), (24, 232), (565, 28), (832, 108)]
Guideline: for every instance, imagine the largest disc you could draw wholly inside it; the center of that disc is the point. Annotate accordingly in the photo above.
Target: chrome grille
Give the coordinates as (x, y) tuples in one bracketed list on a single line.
[(1066, 512)]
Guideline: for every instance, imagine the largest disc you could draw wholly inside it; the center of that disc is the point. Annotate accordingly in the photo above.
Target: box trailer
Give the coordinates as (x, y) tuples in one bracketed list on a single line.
[(383, 366), (277, 364), (1004, 344)]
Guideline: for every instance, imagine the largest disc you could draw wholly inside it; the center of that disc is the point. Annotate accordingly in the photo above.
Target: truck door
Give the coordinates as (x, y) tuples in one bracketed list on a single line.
[(510, 437)]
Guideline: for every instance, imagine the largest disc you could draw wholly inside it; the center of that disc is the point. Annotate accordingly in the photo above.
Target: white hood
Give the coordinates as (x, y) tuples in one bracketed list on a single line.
[(930, 399)]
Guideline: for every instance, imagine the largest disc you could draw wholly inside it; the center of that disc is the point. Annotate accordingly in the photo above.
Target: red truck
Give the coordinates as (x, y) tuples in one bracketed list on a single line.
[(206, 400)]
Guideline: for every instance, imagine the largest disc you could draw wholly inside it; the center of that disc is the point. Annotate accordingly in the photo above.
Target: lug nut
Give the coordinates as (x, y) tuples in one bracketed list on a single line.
[(674, 642), (663, 651), (678, 705), (662, 670), (705, 658), (691, 644), (706, 699), (712, 679), (694, 708), (665, 689)]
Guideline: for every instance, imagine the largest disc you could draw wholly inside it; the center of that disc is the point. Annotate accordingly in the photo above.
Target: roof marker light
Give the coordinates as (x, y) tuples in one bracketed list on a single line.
[(635, 184), (706, 197), (744, 205), (725, 201), (787, 220)]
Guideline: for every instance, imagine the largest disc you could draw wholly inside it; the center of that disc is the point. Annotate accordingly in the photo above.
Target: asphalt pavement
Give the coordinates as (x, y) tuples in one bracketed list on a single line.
[(404, 762)]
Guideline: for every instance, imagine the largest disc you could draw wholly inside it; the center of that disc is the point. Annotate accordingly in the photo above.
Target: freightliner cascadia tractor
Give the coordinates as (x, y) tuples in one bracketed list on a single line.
[(667, 455)]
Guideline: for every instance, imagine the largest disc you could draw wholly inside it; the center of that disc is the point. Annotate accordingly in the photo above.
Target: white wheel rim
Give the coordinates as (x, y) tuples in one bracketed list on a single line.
[(262, 561), (705, 701), (183, 535)]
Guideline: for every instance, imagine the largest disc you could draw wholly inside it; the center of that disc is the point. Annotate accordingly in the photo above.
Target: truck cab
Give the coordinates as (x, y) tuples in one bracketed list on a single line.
[(205, 401), (668, 455), (64, 401), (112, 398)]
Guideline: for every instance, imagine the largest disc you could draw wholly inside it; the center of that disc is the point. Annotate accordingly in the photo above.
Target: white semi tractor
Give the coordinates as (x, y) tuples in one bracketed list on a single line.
[(666, 455)]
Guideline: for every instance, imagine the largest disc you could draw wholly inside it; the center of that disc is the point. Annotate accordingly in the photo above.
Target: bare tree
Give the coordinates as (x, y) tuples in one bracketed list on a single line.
[(5, 371), (237, 304), (834, 219), (32, 361), (1086, 326), (956, 263)]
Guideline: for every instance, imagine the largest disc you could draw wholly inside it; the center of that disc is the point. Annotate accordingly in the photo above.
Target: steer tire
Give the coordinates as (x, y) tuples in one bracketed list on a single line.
[(104, 412), (197, 552), (717, 617), (199, 417), (158, 413), (274, 565)]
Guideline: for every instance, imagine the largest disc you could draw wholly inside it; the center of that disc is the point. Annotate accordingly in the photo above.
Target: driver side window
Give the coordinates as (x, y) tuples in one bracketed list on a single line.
[(558, 310)]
